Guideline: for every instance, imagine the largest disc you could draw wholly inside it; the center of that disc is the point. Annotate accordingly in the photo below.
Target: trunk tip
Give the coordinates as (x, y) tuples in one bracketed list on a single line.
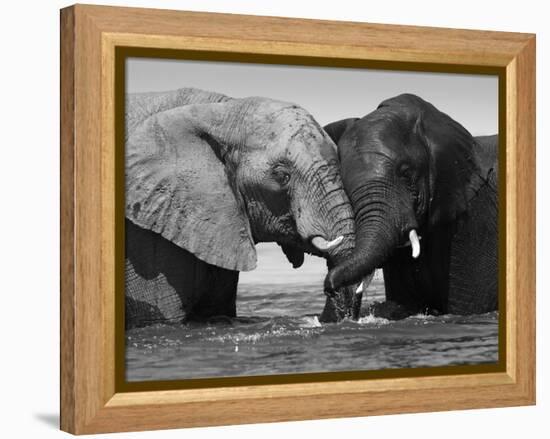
[(330, 284)]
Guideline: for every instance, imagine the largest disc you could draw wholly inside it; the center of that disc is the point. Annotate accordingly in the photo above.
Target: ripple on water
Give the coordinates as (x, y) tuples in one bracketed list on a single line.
[(283, 338)]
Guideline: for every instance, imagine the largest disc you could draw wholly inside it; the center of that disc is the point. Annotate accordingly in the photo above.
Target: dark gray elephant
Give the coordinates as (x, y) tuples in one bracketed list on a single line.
[(425, 196), (207, 177)]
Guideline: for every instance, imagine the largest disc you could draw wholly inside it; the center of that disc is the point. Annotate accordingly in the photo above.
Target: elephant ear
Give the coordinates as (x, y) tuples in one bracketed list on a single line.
[(455, 173), (139, 106), (336, 129), (177, 185)]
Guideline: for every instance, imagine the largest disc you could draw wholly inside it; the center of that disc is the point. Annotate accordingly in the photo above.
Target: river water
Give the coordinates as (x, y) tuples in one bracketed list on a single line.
[(278, 332)]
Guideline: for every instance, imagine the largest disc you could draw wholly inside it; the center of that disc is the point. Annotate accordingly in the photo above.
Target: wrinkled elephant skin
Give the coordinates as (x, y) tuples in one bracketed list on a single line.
[(425, 197), (208, 177)]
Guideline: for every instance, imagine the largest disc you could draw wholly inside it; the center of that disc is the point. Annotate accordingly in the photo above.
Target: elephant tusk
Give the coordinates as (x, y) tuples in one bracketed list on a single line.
[(415, 243), (365, 283), (322, 244)]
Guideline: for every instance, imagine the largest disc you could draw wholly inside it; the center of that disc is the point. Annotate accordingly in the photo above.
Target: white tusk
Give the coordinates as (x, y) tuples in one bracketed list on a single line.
[(322, 244), (365, 283), (415, 243)]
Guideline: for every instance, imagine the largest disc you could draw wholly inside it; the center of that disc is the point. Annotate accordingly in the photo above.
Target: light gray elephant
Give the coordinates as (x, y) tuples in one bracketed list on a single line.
[(207, 177)]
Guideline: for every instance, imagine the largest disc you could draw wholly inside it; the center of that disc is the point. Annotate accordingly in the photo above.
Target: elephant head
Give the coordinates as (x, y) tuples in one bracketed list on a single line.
[(216, 175), (409, 169)]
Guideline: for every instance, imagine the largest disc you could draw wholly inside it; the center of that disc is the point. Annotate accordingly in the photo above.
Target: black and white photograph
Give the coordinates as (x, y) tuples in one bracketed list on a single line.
[(284, 219)]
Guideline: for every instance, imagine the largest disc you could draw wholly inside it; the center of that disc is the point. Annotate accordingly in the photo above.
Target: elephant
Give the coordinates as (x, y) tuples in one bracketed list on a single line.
[(425, 198), (209, 176)]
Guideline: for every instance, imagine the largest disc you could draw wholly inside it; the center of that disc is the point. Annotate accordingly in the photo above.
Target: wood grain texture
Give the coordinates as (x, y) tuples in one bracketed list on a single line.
[(90, 35), (89, 312), (108, 233), (332, 38), (67, 254), (525, 222)]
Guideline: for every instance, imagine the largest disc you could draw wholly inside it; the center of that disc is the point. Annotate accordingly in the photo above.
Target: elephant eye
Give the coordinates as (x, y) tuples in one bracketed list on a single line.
[(282, 177), (406, 171)]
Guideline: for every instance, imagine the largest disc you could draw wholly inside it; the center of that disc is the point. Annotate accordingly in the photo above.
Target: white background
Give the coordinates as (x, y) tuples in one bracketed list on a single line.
[(29, 219)]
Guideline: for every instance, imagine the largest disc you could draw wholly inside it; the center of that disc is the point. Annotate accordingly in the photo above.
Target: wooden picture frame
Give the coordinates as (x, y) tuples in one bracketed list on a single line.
[(91, 399)]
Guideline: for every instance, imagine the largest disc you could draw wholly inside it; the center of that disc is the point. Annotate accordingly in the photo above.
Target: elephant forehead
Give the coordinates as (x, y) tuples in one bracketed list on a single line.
[(285, 128), (315, 143), (385, 121), (385, 133), (280, 132), (297, 125), (304, 142), (282, 116)]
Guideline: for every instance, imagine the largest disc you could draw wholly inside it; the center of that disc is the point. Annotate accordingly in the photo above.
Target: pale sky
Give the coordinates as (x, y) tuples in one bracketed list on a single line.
[(329, 94)]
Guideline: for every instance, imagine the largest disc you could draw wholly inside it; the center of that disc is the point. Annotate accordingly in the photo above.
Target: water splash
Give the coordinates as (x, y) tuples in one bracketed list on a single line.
[(311, 322), (282, 336), (371, 319)]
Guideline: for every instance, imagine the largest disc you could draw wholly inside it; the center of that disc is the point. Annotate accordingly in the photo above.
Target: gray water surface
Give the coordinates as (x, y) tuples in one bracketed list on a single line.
[(276, 332)]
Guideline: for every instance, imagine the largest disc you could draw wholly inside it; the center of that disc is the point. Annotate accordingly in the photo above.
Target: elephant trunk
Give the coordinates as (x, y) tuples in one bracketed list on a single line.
[(324, 216), (342, 234), (331, 216), (374, 243), (344, 303), (374, 239), (383, 219)]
